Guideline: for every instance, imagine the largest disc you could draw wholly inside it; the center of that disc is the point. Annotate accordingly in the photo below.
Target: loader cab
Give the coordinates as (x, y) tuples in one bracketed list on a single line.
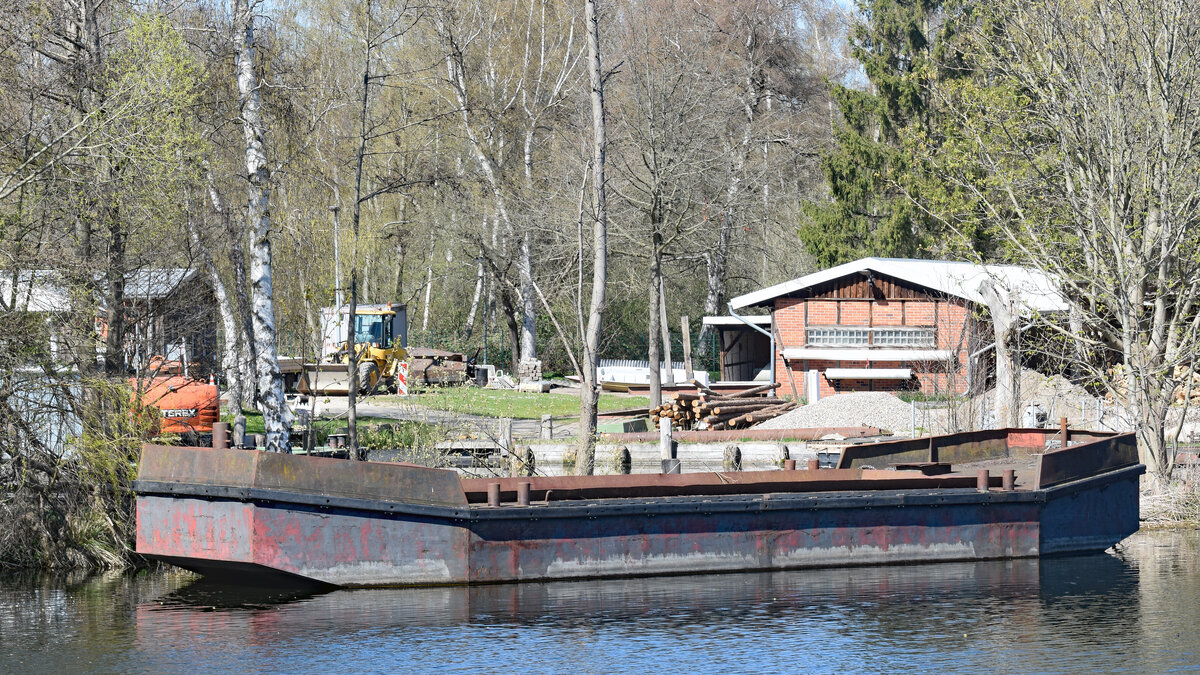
[(385, 325), (373, 329), (382, 328)]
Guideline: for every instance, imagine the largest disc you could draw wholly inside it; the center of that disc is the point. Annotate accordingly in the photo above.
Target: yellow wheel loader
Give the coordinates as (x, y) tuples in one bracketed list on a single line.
[(380, 338)]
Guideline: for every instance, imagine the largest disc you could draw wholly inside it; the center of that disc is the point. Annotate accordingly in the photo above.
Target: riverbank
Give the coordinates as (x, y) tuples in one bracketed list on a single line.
[(1176, 505)]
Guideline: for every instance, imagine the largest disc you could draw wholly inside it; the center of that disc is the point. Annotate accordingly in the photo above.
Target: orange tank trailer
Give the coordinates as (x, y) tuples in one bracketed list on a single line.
[(185, 404)]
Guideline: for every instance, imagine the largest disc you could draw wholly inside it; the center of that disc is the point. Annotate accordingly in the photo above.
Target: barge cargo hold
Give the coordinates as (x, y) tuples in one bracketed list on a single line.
[(251, 517)]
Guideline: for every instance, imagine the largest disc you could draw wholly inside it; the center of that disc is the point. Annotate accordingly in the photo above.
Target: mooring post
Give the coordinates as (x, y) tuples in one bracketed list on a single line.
[(523, 493), (814, 464), (666, 447), (522, 463), (505, 439), (493, 494), (239, 431), (981, 482), (220, 435), (732, 458), (1008, 480), (789, 465)]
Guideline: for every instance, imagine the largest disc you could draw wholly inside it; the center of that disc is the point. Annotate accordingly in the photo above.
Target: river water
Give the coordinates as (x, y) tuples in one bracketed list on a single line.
[(1134, 609)]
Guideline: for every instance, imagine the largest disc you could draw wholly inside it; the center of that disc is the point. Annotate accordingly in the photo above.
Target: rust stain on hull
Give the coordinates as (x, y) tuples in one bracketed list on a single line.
[(353, 523)]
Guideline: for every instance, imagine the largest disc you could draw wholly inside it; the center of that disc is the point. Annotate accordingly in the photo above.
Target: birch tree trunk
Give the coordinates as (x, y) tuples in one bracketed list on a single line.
[(718, 262), (526, 347), (425, 309), (525, 263), (270, 383), (247, 388), (589, 397), (470, 324), (231, 345)]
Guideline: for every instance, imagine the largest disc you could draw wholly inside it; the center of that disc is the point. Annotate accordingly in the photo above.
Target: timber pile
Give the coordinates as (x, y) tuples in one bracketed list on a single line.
[(1187, 392), (719, 411)]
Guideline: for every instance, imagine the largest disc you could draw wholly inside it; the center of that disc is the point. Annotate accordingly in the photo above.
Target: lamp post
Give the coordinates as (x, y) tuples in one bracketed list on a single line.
[(337, 265)]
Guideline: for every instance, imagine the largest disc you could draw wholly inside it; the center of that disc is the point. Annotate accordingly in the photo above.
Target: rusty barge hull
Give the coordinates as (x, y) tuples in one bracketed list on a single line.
[(252, 517)]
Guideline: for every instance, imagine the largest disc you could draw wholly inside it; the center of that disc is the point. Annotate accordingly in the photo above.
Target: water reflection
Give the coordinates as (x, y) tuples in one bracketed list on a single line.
[(1130, 610), (204, 595)]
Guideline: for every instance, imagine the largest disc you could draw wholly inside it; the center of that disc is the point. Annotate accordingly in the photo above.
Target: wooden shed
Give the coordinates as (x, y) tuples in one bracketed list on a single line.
[(886, 324)]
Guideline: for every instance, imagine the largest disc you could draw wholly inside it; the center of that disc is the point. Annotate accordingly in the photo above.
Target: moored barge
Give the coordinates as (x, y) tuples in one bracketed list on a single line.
[(251, 517)]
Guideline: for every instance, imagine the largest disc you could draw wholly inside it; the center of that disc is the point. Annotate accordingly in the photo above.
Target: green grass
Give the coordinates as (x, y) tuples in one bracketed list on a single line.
[(405, 433), (508, 403), (922, 397)]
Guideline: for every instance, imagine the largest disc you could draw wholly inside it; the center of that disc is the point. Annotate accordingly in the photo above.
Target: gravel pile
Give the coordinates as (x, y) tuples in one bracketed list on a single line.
[(872, 409)]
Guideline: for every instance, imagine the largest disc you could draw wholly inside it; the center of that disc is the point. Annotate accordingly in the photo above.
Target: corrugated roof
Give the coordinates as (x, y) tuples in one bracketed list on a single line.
[(48, 291), (1034, 290), (153, 284)]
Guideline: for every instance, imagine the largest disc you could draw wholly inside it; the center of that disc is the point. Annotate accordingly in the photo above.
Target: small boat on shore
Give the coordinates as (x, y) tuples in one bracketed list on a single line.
[(253, 517)]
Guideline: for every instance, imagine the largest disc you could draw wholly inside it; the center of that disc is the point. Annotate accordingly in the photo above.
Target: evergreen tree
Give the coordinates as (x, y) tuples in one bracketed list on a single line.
[(868, 213)]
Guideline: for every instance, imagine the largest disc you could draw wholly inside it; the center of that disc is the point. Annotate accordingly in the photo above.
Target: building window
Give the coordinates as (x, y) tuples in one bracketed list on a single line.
[(839, 337), (905, 337), (871, 337)]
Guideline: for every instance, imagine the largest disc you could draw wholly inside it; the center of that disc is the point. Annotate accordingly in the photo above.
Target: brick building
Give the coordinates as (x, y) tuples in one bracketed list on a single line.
[(882, 324)]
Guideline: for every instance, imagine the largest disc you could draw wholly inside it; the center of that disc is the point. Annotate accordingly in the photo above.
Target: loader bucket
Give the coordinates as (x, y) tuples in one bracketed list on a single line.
[(330, 378)]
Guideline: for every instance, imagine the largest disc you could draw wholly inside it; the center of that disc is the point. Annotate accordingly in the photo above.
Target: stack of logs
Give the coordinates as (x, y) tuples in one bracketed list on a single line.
[(1187, 392), (718, 411)]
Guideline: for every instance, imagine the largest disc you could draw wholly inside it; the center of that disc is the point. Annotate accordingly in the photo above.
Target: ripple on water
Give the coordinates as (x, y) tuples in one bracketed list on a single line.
[(1128, 611)]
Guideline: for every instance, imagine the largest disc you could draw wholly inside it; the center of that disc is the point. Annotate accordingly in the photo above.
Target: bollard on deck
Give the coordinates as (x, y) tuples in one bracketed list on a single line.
[(220, 435)]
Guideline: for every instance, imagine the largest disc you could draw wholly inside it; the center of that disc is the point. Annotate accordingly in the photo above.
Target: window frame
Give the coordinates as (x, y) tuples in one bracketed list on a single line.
[(903, 337)]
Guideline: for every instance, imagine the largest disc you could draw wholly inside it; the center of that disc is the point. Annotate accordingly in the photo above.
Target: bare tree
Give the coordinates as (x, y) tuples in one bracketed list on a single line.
[(509, 67), (590, 394), (670, 122), (1076, 142)]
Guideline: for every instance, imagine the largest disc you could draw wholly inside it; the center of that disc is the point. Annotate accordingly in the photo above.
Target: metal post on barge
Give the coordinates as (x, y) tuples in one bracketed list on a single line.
[(220, 435), (982, 480)]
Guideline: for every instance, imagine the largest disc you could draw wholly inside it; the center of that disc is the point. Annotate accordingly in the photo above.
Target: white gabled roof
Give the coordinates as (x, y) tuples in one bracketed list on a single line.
[(1035, 291), (756, 319), (36, 291), (46, 290)]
